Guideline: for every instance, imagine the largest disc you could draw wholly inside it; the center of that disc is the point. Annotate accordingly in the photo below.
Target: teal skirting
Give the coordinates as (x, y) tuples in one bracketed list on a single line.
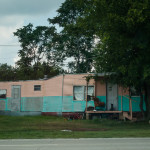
[(65, 104)]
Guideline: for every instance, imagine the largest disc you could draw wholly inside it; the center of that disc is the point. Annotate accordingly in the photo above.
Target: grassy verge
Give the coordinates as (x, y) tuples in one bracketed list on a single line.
[(50, 127)]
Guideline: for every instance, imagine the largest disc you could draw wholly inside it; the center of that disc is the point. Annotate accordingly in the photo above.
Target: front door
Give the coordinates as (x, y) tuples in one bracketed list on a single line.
[(112, 97), (16, 97)]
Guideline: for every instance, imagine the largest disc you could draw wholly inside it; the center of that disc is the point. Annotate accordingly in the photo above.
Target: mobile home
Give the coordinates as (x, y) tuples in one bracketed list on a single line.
[(65, 94)]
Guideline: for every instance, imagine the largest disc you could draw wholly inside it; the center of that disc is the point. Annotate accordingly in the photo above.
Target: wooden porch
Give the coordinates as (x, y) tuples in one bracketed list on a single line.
[(103, 112), (122, 114), (88, 113)]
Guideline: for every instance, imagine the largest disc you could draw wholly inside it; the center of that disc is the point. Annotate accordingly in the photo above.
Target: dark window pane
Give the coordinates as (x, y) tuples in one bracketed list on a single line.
[(3, 93), (37, 87), (134, 92)]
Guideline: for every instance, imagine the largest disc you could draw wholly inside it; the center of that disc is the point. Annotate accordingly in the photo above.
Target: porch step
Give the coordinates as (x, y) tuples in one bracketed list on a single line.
[(128, 116)]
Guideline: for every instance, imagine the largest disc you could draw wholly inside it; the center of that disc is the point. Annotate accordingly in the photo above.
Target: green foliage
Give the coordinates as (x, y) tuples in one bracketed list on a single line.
[(122, 30), (37, 56), (7, 72), (74, 40)]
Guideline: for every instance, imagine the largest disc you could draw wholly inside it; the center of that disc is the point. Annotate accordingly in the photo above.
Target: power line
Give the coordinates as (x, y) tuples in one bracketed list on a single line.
[(8, 58), (68, 61), (9, 45)]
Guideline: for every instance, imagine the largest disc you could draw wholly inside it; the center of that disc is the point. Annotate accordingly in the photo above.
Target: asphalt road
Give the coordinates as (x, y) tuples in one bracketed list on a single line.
[(77, 144)]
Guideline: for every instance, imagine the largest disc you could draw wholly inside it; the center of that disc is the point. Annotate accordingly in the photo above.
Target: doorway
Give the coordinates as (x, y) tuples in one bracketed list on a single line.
[(15, 97), (112, 97)]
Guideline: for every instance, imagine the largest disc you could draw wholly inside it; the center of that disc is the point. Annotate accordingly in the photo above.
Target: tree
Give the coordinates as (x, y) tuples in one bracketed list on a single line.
[(7, 72), (37, 50), (123, 28), (74, 43)]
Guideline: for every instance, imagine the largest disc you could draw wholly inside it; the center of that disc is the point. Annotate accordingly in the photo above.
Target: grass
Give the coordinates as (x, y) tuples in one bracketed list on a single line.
[(30, 127)]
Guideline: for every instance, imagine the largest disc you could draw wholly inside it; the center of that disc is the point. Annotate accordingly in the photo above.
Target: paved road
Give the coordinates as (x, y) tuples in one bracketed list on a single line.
[(77, 144)]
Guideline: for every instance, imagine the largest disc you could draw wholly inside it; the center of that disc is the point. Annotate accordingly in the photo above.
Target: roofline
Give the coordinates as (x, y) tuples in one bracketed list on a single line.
[(98, 74)]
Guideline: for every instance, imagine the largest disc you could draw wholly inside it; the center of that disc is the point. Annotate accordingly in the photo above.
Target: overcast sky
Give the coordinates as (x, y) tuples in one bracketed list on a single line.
[(15, 14)]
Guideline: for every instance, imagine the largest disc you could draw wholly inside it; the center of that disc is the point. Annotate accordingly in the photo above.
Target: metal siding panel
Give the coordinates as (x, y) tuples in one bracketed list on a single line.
[(119, 103), (102, 99), (52, 104), (8, 103), (136, 105), (2, 104), (79, 106), (67, 104), (125, 102), (31, 104), (90, 103)]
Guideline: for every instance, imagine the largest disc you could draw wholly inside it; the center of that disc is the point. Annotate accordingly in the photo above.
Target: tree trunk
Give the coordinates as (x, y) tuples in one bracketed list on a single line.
[(141, 104), (147, 100)]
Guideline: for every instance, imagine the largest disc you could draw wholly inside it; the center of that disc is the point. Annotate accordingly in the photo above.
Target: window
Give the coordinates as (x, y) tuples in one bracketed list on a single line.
[(37, 87), (3, 93), (90, 92), (134, 92), (79, 93)]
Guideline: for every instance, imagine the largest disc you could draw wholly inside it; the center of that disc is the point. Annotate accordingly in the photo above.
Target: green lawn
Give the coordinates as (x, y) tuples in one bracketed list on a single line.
[(50, 127)]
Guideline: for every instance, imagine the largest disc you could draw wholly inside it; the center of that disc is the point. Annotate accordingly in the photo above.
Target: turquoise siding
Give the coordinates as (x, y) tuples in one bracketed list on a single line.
[(68, 104), (125, 104), (6, 104), (64, 104), (102, 99), (31, 104), (52, 104), (79, 106)]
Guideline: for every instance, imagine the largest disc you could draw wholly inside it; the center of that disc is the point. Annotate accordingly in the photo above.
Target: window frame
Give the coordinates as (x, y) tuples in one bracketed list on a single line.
[(84, 92), (5, 94), (36, 88)]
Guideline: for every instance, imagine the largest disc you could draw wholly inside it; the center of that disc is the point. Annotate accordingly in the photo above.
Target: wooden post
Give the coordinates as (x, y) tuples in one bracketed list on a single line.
[(87, 83), (130, 107), (121, 102), (87, 116), (86, 94), (121, 98)]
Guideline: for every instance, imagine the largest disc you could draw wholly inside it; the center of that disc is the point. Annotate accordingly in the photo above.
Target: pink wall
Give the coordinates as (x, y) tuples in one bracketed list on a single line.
[(123, 91), (27, 88), (100, 88), (74, 80), (53, 86)]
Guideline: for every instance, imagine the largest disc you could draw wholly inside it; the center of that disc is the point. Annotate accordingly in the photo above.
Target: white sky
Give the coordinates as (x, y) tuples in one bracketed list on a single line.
[(15, 14)]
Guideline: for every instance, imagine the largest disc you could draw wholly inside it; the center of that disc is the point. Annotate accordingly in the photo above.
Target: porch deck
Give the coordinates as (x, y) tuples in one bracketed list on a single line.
[(88, 113), (101, 112)]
